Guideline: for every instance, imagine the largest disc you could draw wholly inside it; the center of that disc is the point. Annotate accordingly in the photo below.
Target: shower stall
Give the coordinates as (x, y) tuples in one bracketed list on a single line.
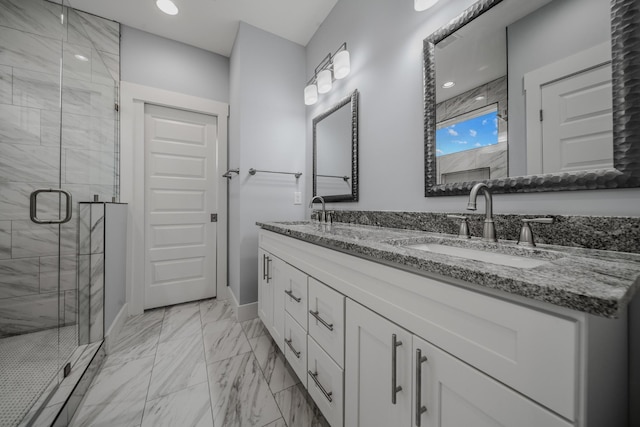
[(59, 77)]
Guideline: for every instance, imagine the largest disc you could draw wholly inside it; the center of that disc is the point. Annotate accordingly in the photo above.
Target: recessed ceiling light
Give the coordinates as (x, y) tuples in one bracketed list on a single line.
[(479, 98), (167, 6), (81, 57), (448, 85)]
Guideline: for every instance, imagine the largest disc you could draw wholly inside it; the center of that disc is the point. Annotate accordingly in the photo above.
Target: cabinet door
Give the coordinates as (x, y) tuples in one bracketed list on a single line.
[(265, 290), (370, 368), (453, 394), (277, 271)]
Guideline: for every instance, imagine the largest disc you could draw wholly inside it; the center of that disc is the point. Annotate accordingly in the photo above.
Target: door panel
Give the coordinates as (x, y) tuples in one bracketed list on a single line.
[(180, 196)]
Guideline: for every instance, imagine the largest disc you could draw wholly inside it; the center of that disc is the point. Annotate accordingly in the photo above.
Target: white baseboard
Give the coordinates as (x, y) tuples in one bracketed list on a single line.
[(114, 331), (245, 311)]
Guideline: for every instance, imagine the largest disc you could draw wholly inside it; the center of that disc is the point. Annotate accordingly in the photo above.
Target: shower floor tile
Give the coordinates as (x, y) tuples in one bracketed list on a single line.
[(28, 364)]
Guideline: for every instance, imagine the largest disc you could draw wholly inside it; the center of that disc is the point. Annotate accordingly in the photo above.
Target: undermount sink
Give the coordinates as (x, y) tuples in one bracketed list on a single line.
[(478, 255)]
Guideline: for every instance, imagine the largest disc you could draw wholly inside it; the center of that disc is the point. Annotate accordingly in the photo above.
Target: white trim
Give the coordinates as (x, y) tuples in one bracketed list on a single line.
[(244, 312), (533, 80), (132, 100), (116, 326)]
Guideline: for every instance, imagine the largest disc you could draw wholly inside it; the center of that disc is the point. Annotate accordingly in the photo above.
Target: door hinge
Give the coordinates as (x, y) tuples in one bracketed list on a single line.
[(541, 117), (214, 217)]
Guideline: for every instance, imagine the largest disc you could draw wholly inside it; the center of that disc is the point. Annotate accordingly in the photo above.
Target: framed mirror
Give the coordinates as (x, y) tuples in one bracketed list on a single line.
[(533, 95), (335, 152)]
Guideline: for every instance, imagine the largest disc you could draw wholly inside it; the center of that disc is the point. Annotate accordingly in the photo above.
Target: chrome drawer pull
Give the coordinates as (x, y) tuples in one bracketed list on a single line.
[(264, 266), (420, 409), (394, 371), (296, 353), (315, 380), (269, 269), (293, 297), (316, 314)]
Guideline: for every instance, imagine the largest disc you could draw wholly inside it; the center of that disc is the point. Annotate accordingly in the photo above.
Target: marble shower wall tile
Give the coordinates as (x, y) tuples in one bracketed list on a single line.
[(84, 229), (28, 313), (6, 83), (96, 305), (84, 299), (29, 51), (19, 277), (36, 89), (90, 30), (78, 131), (19, 125), (49, 273), (84, 166), (71, 307), (33, 16), (32, 240), (29, 163), (112, 63), (14, 200), (5, 238), (87, 98), (74, 66), (97, 228)]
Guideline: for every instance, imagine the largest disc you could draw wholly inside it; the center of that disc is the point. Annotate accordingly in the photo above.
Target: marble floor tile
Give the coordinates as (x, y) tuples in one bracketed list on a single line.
[(180, 321), (235, 382), (254, 328), (138, 338), (213, 310), (178, 364), (276, 370), (297, 408), (190, 407), (224, 339)]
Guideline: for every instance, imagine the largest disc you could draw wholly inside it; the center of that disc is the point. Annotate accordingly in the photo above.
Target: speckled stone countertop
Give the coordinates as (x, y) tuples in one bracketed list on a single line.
[(588, 280)]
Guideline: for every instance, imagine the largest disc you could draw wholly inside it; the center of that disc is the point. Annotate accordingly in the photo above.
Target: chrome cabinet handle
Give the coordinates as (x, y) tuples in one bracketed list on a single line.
[(394, 374), (293, 297), (289, 343), (420, 409), (314, 375), (316, 314), (269, 269), (33, 206), (264, 266)]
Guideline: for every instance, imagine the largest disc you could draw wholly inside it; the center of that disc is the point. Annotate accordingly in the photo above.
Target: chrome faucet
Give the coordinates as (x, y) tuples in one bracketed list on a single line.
[(489, 230), (323, 217)]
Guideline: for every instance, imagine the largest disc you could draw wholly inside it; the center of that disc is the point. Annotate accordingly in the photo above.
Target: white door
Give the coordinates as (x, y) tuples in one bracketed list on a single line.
[(577, 130), (369, 370), (180, 198)]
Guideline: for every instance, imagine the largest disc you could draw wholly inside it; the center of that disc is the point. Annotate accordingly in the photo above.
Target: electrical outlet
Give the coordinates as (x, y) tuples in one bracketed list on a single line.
[(297, 198)]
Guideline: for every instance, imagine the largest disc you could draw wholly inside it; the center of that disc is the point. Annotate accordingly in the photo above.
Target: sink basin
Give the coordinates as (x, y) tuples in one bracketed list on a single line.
[(477, 255)]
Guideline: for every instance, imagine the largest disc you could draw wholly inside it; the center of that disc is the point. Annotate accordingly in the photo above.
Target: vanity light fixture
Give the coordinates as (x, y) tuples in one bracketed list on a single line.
[(167, 6), (421, 5), (336, 66), (448, 85)]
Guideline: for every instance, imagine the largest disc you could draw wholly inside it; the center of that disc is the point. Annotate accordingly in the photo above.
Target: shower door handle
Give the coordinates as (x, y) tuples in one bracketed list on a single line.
[(33, 206)]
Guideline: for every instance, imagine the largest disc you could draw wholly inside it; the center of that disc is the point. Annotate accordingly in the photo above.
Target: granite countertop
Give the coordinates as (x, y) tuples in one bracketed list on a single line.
[(588, 280)]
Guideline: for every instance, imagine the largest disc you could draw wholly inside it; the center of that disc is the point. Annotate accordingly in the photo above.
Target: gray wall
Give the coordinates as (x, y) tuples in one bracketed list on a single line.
[(385, 41), (155, 61), (534, 41), (266, 131)]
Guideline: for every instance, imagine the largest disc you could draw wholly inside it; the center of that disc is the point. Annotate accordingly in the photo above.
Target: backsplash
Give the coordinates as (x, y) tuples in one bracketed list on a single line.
[(592, 232)]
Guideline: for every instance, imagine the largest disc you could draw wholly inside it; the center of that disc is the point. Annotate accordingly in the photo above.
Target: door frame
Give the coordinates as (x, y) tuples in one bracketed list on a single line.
[(133, 98), (533, 80)]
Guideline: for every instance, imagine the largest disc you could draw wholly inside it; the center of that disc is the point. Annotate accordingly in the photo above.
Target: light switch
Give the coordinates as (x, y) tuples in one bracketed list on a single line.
[(297, 198)]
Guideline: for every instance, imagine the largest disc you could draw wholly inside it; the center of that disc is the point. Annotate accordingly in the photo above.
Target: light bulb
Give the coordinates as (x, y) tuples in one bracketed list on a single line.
[(310, 95), (167, 6), (421, 5), (341, 65), (324, 81)]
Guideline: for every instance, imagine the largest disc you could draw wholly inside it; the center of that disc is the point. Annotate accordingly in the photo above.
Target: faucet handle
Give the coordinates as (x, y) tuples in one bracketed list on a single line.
[(526, 234), (463, 232)]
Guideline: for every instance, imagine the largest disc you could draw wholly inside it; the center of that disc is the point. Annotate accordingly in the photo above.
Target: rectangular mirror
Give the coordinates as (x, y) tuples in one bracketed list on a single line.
[(533, 95), (335, 152)]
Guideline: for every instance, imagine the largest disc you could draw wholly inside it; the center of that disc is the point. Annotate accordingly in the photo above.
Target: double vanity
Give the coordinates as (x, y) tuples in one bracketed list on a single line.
[(393, 327)]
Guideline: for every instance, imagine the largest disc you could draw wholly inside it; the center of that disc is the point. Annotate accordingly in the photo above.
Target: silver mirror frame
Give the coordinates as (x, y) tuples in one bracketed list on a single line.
[(625, 53), (353, 100)]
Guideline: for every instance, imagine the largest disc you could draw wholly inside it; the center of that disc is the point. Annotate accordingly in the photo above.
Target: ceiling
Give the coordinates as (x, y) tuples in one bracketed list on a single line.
[(212, 24)]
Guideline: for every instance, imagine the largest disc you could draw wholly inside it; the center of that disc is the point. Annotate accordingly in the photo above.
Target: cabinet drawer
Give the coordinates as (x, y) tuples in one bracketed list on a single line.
[(295, 289), (326, 319), (295, 348), (325, 383)]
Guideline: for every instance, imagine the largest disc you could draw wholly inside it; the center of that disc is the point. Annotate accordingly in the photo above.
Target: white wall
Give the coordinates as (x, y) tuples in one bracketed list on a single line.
[(385, 41), (158, 62), (266, 131)]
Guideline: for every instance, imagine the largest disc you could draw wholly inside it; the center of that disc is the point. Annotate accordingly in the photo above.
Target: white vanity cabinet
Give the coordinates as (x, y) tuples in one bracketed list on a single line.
[(487, 358)]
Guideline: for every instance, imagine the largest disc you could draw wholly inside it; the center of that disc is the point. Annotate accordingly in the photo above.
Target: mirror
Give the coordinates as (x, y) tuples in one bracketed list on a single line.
[(335, 152), (520, 94)]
